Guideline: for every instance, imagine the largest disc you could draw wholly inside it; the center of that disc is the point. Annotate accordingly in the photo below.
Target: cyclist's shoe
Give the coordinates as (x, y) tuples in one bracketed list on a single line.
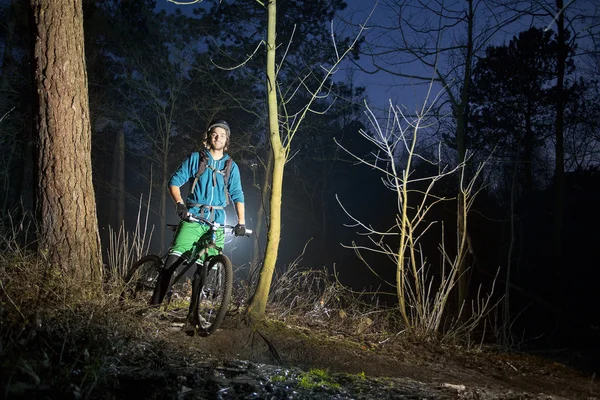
[(194, 328), (194, 324)]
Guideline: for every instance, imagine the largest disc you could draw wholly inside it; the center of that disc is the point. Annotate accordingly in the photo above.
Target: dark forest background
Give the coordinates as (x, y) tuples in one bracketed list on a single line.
[(157, 78)]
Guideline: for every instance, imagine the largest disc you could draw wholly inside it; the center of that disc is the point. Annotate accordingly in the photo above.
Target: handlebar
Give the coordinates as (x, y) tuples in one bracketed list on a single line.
[(213, 224)]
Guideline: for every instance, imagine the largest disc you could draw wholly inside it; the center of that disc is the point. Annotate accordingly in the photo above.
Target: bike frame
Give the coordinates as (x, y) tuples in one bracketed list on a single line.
[(203, 245), (200, 247)]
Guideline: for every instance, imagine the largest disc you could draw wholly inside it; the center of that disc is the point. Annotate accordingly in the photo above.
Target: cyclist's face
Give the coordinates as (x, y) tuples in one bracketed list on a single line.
[(218, 138)]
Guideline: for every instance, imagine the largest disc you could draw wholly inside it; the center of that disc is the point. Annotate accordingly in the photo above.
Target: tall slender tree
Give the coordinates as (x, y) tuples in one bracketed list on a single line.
[(259, 301), (301, 27), (285, 121), (66, 201)]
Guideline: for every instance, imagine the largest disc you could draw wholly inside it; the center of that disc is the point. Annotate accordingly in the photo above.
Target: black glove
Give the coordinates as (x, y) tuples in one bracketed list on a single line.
[(181, 210), (239, 230)]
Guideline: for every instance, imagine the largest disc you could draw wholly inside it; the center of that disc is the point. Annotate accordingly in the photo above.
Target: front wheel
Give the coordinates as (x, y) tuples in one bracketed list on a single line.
[(141, 278), (212, 295)]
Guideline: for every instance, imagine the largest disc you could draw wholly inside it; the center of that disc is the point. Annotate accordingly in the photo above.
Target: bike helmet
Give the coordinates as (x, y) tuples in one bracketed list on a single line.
[(219, 123)]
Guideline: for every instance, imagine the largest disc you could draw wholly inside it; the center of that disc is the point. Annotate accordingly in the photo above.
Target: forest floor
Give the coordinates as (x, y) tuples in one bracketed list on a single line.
[(271, 360), (59, 344), (279, 360)]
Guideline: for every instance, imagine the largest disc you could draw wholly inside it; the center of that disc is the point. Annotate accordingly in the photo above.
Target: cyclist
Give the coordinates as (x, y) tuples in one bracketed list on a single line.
[(207, 199)]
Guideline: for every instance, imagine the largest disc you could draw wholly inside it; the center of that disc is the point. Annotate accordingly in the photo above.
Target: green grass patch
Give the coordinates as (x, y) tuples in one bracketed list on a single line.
[(317, 378), (278, 378)]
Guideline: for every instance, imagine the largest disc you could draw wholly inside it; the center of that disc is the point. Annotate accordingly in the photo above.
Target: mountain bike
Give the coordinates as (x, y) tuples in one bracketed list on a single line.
[(212, 283)]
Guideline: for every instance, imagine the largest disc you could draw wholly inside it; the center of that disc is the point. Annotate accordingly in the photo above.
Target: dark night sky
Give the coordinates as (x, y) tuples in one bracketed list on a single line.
[(383, 88), (380, 87)]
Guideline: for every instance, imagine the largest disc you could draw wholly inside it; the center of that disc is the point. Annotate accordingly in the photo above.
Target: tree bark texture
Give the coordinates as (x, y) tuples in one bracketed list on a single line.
[(66, 200), (258, 304)]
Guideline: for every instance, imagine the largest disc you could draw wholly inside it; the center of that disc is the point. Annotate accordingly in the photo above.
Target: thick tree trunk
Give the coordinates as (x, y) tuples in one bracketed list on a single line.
[(258, 304), (66, 201)]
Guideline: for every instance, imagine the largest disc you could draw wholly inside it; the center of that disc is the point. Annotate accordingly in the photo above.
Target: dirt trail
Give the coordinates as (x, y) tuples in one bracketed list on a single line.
[(390, 367)]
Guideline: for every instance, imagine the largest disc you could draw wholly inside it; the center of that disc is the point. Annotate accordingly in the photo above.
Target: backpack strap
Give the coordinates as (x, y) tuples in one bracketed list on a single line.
[(201, 169), (212, 209), (225, 172)]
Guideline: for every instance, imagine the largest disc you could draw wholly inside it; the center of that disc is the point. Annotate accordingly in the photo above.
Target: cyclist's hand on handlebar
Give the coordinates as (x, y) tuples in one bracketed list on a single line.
[(181, 210), (239, 230)]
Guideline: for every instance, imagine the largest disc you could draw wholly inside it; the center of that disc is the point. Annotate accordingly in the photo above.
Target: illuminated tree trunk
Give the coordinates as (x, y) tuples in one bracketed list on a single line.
[(66, 201), (258, 304), (260, 218)]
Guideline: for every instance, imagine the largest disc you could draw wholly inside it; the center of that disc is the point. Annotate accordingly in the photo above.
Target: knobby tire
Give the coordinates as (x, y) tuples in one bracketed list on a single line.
[(226, 288), (138, 281)]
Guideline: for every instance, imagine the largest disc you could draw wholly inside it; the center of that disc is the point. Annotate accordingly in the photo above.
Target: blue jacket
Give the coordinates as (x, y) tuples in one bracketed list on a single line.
[(204, 192)]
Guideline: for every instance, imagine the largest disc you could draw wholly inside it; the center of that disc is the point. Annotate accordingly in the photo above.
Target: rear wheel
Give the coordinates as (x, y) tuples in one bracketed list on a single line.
[(214, 296), (140, 281)]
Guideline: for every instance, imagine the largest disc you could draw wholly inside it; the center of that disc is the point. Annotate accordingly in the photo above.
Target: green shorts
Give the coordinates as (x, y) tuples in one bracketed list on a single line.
[(191, 237)]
